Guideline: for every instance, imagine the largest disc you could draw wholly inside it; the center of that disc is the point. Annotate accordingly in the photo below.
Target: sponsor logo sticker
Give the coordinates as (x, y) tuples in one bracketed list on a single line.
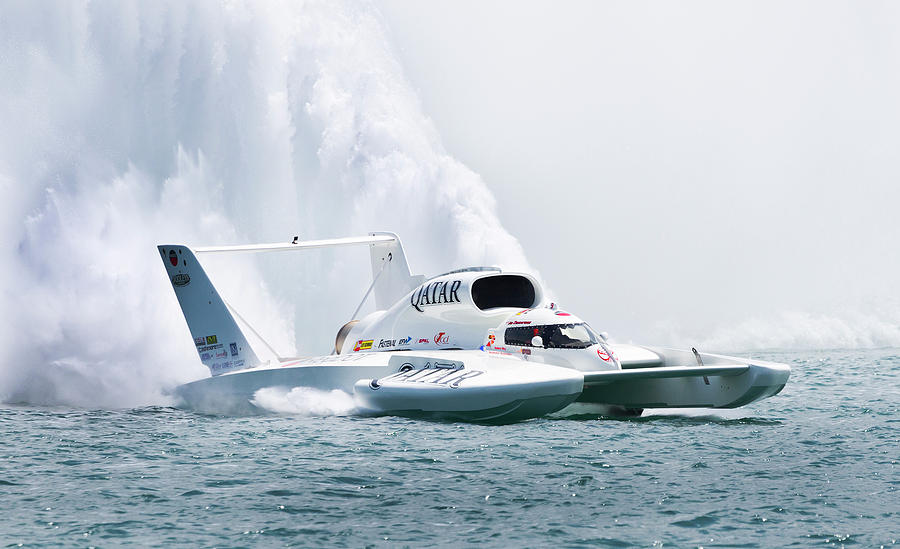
[(233, 347), (173, 258), (441, 338), (446, 374), (199, 341), (363, 345), (606, 354), (205, 356), (435, 293), (423, 340), (181, 279), (385, 343), (211, 340), (221, 354), (404, 341), (219, 366)]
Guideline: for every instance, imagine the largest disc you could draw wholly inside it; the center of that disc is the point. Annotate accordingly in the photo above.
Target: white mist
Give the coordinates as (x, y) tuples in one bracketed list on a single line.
[(129, 124)]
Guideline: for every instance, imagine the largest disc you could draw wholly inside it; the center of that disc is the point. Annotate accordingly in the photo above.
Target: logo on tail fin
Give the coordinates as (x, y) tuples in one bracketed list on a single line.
[(173, 258)]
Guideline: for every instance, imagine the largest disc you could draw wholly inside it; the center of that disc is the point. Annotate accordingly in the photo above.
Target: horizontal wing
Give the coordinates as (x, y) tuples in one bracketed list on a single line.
[(612, 376), (299, 245), (391, 278)]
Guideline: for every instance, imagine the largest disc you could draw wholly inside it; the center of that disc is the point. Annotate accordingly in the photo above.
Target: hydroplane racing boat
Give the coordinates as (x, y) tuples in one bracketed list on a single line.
[(475, 344)]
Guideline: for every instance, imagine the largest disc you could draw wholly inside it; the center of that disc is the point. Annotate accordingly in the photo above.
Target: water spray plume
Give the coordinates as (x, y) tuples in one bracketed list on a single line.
[(128, 124)]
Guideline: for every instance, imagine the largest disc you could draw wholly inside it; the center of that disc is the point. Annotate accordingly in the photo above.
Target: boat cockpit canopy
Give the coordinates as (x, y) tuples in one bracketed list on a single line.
[(554, 336)]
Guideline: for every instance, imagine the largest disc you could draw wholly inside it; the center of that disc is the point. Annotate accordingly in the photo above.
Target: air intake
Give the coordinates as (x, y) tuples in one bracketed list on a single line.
[(491, 292)]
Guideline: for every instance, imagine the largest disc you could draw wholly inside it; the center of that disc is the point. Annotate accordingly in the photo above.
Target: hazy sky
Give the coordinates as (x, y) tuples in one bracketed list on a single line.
[(678, 166)]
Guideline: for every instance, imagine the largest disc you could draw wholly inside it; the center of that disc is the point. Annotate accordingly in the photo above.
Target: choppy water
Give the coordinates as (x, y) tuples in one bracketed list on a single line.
[(816, 465)]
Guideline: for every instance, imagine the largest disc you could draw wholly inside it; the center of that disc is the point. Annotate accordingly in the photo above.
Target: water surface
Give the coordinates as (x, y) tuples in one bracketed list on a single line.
[(813, 466)]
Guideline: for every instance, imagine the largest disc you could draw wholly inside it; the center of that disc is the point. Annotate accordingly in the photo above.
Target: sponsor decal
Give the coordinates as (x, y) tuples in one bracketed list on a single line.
[(210, 347), (233, 347), (218, 366), (522, 312), (516, 322), (423, 340), (173, 258), (561, 313), (328, 359), (491, 344), (439, 373), (526, 351), (605, 353), (181, 279), (199, 341), (221, 354), (404, 341), (363, 345), (497, 350), (441, 338), (211, 340), (205, 356), (385, 343), (435, 293)]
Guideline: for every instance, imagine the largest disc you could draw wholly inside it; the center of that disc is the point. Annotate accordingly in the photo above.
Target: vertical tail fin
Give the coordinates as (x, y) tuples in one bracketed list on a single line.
[(219, 341), (391, 272)]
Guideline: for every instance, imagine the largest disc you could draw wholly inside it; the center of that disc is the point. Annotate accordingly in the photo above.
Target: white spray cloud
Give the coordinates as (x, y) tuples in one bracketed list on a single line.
[(305, 401), (854, 325), (849, 329), (129, 124)]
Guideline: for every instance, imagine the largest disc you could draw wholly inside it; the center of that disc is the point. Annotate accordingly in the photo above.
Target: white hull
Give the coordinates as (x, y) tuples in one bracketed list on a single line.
[(477, 386), (482, 388)]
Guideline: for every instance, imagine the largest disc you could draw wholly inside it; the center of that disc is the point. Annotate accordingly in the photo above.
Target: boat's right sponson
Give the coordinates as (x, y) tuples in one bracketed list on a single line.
[(747, 382)]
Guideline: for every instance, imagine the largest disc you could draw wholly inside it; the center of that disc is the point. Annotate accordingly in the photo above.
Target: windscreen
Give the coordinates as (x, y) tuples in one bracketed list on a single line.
[(555, 336)]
